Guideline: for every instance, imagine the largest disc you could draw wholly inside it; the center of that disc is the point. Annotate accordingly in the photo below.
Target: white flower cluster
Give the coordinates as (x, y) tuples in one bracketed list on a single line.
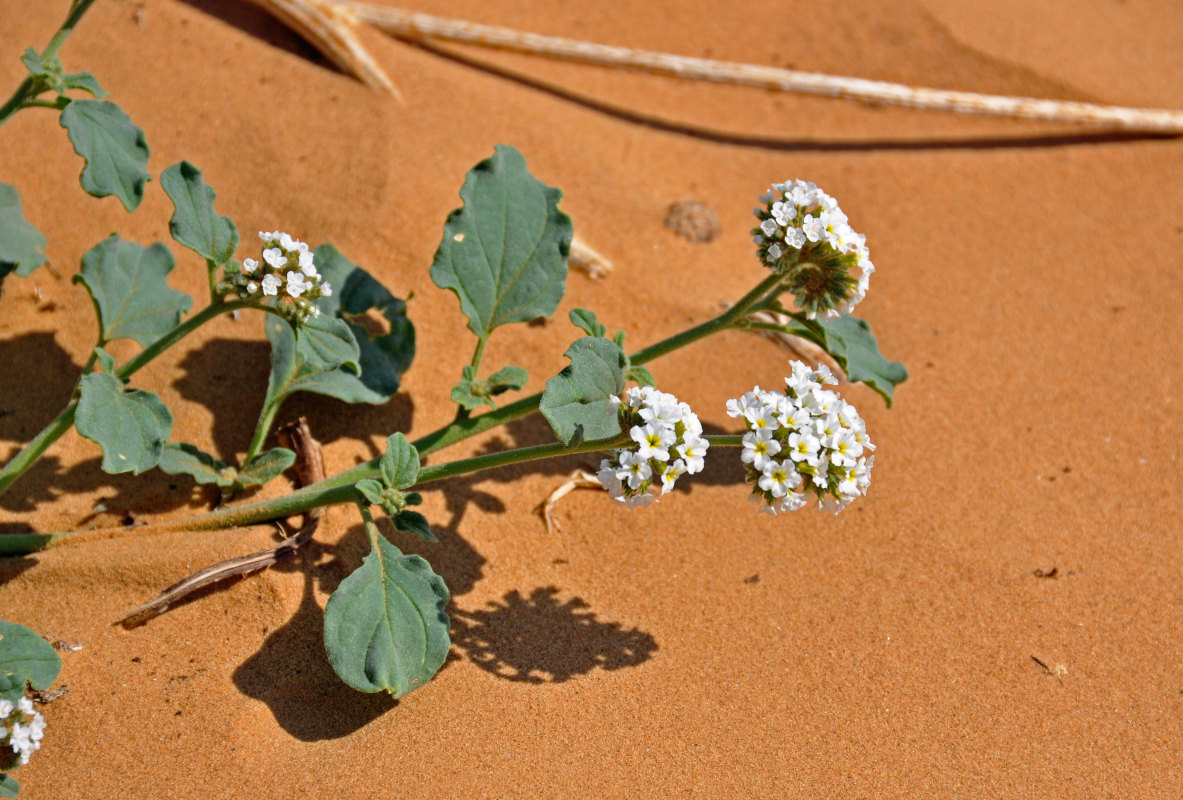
[(804, 235), (286, 273), (806, 440), (669, 443), (21, 729)]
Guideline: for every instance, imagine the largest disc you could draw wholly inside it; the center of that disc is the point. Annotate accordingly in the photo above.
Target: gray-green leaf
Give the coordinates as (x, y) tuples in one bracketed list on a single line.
[(576, 402), (114, 149), (324, 349), (26, 656), (266, 466), (130, 290), (507, 378), (185, 459), (131, 426), (385, 626), (9, 786), (371, 490), (640, 375), (400, 463), (850, 341), (52, 75), (414, 522), (504, 253), (21, 244), (586, 321), (194, 223)]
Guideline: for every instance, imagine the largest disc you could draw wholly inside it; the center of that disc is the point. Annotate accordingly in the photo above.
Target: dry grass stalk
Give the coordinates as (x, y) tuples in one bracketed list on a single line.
[(579, 479), (587, 260), (803, 348)]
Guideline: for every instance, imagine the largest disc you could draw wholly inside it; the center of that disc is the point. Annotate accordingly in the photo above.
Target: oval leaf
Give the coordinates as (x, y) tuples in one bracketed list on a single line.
[(400, 462), (266, 466), (194, 223), (576, 402), (385, 626), (130, 290), (114, 148), (414, 522), (850, 341), (504, 253), (21, 244), (378, 319), (586, 321), (185, 459), (131, 427), (24, 653)]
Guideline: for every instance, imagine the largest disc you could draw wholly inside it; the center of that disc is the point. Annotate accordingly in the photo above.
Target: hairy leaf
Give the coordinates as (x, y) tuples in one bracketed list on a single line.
[(504, 253), (507, 378), (576, 402), (850, 341), (114, 149), (586, 321), (53, 76), (185, 459), (311, 362), (194, 223), (371, 490), (12, 686), (400, 463), (131, 426), (266, 466), (9, 786), (385, 626), (414, 522), (26, 656), (130, 290), (358, 298), (640, 375), (21, 244)]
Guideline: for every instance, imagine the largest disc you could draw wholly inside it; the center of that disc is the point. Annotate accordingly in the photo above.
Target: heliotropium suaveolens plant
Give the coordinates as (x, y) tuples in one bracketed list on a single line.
[(503, 254), (320, 346)]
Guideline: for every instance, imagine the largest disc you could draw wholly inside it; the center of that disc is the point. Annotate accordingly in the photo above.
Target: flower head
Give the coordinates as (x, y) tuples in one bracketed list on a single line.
[(286, 272), (21, 729), (669, 444), (814, 446), (804, 235)]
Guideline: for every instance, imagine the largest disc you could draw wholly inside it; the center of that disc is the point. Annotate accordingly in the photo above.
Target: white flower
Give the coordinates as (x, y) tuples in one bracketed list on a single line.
[(297, 283), (6, 707), (275, 258), (694, 450), (778, 477), (633, 470), (271, 284), (249, 265), (306, 264), (758, 448), (654, 440), (25, 705), (673, 471), (803, 447), (325, 289)]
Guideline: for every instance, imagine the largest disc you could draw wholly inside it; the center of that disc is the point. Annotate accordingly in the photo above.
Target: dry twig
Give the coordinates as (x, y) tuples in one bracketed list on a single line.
[(310, 467), (579, 479), (803, 348), (328, 25)]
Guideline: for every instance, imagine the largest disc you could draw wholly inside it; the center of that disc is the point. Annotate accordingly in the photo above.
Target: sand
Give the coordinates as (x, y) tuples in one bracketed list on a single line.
[(1027, 278)]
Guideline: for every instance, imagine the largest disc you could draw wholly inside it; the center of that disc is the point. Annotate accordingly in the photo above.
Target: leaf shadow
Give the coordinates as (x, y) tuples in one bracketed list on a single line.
[(222, 371), (50, 374), (12, 566), (538, 639)]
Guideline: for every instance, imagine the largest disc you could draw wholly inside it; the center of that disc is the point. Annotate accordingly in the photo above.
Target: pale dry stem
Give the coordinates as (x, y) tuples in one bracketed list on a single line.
[(579, 479)]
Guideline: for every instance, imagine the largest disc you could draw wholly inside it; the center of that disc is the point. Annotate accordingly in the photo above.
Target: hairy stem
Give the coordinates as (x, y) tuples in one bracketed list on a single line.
[(27, 89)]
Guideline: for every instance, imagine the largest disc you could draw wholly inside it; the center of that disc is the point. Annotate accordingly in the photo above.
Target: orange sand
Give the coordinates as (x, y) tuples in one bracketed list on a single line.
[(1027, 277)]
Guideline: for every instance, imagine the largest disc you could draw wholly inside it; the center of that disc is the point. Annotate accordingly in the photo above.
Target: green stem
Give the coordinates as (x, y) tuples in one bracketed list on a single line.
[(725, 439), (26, 91), (52, 432), (262, 429)]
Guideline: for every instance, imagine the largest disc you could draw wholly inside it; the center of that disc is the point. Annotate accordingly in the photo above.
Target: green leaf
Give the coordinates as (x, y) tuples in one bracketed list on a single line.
[(9, 786), (84, 81), (385, 626), (586, 321), (504, 253), (266, 466), (25, 654), (21, 244), (400, 463), (194, 223), (471, 392), (576, 402), (105, 360), (306, 366), (185, 459), (52, 75), (507, 378), (131, 426), (640, 375), (371, 490), (12, 686), (414, 522), (850, 341), (114, 149), (130, 290), (357, 297)]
